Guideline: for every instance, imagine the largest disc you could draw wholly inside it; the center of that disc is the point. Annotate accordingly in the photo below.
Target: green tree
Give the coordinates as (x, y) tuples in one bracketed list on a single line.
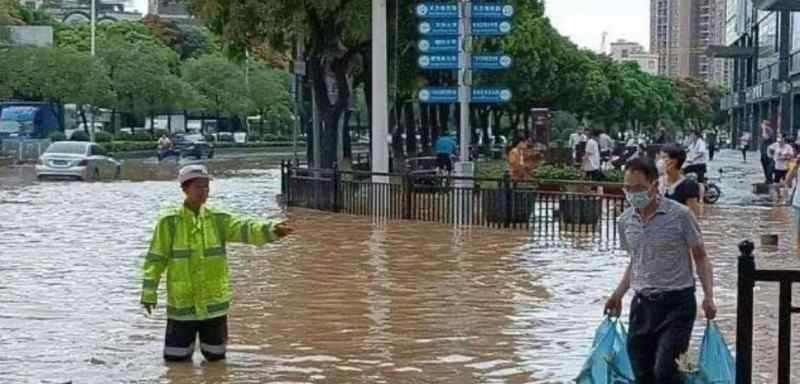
[(270, 95), (220, 82), (336, 34)]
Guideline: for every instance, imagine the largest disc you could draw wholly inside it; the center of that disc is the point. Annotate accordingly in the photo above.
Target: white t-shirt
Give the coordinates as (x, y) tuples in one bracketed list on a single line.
[(781, 154), (606, 143), (697, 153), (592, 160)]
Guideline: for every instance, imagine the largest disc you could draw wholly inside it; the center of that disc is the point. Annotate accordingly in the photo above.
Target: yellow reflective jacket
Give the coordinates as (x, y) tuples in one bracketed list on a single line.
[(192, 250)]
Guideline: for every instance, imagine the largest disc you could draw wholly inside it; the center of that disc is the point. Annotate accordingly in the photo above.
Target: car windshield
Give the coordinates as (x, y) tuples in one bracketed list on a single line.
[(194, 138), (17, 119), (71, 148)]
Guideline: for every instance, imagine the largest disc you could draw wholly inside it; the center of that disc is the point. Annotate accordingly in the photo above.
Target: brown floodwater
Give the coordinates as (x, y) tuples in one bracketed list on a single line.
[(344, 300)]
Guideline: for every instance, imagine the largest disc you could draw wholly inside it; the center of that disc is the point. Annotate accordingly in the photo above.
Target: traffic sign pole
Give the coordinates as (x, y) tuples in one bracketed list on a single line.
[(465, 75)]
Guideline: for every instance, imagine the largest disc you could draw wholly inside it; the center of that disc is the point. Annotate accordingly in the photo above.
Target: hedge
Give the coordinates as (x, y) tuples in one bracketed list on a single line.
[(131, 146)]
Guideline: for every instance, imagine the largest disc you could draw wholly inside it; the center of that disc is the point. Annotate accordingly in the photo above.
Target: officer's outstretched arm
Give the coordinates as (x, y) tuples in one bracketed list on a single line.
[(250, 231)]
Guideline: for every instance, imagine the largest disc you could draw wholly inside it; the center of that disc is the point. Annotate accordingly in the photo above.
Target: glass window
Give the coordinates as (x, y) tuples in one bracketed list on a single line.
[(70, 147)]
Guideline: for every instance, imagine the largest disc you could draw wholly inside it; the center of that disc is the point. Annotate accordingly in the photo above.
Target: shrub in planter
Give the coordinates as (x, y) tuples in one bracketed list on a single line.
[(123, 136), (103, 137), (57, 136), (79, 136), (549, 172), (142, 136)]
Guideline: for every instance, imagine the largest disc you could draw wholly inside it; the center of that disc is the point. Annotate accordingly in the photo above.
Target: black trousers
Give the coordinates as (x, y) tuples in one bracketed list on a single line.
[(181, 335), (767, 165), (660, 330), (596, 175), (699, 170)]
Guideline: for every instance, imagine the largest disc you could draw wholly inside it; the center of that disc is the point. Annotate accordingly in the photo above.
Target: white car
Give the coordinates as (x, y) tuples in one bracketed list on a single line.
[(77, 159)]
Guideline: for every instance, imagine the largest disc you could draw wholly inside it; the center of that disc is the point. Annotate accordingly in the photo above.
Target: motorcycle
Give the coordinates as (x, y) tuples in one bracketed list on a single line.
[(712, 191)]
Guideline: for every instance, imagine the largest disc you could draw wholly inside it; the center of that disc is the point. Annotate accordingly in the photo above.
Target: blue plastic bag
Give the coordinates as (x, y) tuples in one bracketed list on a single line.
[(608, 361), (716, 364)]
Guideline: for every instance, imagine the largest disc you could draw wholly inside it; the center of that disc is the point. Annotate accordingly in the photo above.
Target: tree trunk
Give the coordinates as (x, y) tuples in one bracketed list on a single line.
[(398, 157), (152, 124), (83, 118), (347, 139), (169, 123), (484, 122), (444, 119)]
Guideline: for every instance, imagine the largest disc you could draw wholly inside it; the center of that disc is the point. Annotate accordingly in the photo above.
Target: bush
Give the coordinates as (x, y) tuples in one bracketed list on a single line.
[(123, 136), (128, 146), (57, 136), (549, 172), (142, 136), (614, 176), (103, 137), (79, 136)]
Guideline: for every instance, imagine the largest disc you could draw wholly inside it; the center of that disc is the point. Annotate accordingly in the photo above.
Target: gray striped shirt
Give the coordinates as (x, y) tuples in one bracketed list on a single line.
[(659, 248)]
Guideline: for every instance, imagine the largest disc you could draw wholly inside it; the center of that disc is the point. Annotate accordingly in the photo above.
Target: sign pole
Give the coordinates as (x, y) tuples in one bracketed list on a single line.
[(380, 106), (465, 76)]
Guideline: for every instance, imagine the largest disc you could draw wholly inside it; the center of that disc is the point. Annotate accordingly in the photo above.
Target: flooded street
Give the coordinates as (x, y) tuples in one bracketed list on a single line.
[(344, 300)]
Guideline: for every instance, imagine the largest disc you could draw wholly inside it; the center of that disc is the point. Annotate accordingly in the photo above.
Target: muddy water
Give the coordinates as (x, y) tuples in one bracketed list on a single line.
[(345, 300)]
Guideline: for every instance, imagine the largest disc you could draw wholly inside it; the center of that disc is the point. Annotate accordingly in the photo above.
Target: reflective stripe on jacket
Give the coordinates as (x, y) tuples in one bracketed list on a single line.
[(191, 248)]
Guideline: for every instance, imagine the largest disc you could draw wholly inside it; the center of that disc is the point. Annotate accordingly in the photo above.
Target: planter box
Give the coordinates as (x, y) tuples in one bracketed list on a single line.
[(521, 206), (581, 211)]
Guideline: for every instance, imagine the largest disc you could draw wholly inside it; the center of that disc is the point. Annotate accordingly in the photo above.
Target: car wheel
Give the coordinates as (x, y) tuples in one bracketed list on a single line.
[(95, 175), (118, 172), (210, 155)]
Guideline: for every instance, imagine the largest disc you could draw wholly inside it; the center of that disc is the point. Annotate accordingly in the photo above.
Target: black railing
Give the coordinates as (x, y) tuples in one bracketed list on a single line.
[(748, 276), (547, 207)]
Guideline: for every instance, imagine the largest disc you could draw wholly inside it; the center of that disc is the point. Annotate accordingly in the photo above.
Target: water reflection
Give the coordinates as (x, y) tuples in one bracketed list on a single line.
[(346, 300)]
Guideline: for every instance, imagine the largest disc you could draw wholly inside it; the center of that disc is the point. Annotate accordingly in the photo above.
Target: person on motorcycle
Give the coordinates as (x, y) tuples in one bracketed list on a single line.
[(445, 149), (672, 184)]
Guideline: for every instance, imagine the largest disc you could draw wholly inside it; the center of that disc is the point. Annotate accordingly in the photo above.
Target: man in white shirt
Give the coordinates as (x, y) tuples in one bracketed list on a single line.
[(697, 157), (591, 159), (781, 152)]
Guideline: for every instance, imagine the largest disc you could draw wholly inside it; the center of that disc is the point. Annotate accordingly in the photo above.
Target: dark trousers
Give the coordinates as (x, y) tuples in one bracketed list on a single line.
[(179, 342), (595, 175), (767, 165), (744, 154), (660, 330)]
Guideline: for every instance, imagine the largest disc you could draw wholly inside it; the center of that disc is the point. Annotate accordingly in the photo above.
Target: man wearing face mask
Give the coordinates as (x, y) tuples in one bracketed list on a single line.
[(662, 237), (780, 152), (672, 184)]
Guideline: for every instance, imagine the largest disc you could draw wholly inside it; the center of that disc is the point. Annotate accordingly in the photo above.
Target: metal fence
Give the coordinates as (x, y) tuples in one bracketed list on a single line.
[(748, 276), (495, 203), (23, 149)]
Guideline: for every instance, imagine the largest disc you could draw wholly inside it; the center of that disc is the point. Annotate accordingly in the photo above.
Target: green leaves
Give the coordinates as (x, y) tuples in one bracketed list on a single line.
[(220, 82)]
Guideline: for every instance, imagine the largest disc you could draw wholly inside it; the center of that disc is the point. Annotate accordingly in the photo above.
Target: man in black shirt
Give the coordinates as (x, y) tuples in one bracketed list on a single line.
[(672, 184)]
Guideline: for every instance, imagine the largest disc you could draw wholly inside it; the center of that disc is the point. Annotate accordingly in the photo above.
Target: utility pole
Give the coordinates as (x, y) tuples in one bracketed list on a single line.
[(94, 25), (465, 76), (380, 106)]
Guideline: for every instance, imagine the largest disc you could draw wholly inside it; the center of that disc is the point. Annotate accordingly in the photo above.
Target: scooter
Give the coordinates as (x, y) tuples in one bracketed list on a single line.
[(712, 191)]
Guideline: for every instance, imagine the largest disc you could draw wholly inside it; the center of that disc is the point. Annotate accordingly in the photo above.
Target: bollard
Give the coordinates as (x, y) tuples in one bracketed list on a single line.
[(744, 313)]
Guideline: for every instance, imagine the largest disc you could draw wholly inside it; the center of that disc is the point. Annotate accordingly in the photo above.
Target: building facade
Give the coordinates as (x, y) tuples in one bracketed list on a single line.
[(628, 51), (76, 11), (171, 10), (680, 33), (763, 47)]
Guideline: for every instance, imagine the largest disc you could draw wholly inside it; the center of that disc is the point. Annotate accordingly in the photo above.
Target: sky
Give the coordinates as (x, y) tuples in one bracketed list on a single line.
[(584, 21)]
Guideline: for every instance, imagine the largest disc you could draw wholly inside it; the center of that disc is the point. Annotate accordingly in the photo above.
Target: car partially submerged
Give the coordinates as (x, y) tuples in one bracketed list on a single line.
[(77, 160)]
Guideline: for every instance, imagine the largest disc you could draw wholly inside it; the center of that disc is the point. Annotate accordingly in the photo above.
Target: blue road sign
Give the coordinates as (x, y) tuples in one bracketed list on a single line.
[(443, 27), (491, 62), (438, 61), (447, 95), (438, 45), (438, 95), (490, 27), (492, 11), (491, 95), (450, 10), (437, 10)]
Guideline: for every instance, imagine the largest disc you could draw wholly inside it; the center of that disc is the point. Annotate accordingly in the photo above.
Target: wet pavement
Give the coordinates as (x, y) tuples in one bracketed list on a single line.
[(343, 300)]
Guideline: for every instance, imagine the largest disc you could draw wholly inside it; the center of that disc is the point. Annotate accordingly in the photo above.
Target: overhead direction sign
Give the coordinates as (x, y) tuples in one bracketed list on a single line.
[(480, 95), (438, 61), (438, 45), (450, 10), (444, 27), (437, 10), (492, 11), (491, 95), (491, 62)]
